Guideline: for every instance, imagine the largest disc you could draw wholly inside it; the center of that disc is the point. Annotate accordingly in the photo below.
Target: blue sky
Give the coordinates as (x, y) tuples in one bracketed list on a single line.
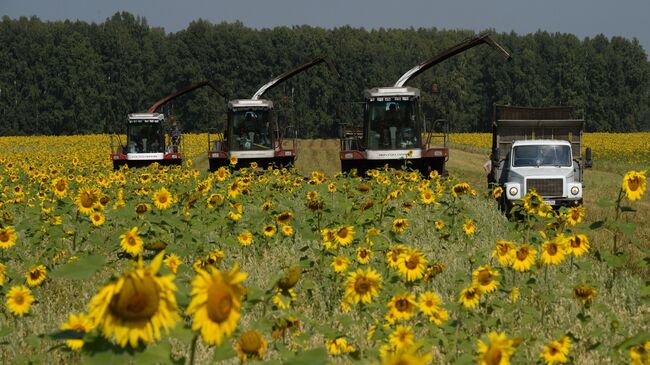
[(584, 18)]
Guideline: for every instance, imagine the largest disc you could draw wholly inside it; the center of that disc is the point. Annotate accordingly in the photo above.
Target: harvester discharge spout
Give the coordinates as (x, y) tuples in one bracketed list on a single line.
[(450, 52)]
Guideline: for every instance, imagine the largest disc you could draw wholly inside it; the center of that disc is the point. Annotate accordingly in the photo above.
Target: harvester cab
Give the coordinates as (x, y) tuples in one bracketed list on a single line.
[(394, 132), (149, 138), (253, 133)]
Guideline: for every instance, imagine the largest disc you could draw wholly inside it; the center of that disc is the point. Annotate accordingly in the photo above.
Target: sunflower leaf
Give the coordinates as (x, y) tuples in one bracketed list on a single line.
[(224, 352), (80, 269), (315, 356), (634, 340)]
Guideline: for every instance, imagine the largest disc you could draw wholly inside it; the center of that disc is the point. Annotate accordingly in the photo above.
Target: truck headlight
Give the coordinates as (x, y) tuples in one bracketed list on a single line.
[(575, 190), (513, 191)]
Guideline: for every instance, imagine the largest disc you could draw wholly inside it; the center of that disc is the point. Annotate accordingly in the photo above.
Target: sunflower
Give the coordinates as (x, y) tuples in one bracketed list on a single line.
[(434, 270), (162, 199), (233, 160), (401, 338), (131, 242), (534, 204), (284, 217), (439, 224), (483, 278), (469, 227), (339, 346), (362, 286), (7, 237), (283, 298), (438, 316), (328, 238), (97, 218), (245, 238), (411, 264), (402, 307), (286, 230), (251, 345), (575, 215), (640, 354), (222, 174), (344, 235), (331, 187), (400, 225), (214, 200), (214, 257), (427, 196), (460, 189), (60, 187), (407, 356), (470, 296), (497, 351), (584, 293), (577, 245), (290, 277), (87, 199), (269, 230), (523, 258), (216, 303), (136, 306), (553, 354), (142, 208), (502, 252), (363, 255), (553, 251), (19, 300), (340, 264), (496, 192), (173, 261), (393, 255), (634, 184), (80, 324), (36, 275)]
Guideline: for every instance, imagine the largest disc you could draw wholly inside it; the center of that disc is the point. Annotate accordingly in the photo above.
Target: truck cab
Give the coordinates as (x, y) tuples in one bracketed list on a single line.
[(546, 167), (538, 149)]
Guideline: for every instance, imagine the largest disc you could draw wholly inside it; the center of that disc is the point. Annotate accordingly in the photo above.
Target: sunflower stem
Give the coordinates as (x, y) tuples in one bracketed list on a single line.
[(193, 348)]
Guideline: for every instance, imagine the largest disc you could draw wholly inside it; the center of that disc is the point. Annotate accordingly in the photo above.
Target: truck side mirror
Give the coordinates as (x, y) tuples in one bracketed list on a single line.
[(588, 161)]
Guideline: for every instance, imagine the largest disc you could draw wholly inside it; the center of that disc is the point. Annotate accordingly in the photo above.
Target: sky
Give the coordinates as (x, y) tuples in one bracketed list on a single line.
[(584, 18)]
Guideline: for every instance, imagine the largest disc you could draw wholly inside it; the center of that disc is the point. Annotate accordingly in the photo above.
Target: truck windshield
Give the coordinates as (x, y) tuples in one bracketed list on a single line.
[(542, 155), (251, 130), (145, 137), (393, 125)]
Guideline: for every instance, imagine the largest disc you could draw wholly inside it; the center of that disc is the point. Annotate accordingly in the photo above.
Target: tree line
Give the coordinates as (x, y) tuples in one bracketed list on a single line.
[(74, 77)]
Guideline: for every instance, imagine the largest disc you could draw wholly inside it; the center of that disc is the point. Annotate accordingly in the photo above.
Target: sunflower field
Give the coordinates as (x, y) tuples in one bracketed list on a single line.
[(181, 266)]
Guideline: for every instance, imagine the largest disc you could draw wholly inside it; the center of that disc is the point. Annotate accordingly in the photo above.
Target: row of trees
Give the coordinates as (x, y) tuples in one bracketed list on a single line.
[(75, 77)]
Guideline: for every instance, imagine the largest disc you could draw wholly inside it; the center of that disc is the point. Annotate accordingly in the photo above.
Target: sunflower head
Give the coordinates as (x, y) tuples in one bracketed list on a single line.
[(251, 345), (19, 300), (216, 302), (290, 277), (135, 307), (634, 184)]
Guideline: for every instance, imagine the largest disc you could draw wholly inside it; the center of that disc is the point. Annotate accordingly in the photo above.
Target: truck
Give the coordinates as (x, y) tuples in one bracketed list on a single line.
[(394, 132), (149, 138), (538, 149), (253, 135)]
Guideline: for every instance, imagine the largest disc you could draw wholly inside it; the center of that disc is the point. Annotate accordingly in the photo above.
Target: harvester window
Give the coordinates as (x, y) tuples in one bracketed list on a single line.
[(392, 125), (145, 138), (251, 130)]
